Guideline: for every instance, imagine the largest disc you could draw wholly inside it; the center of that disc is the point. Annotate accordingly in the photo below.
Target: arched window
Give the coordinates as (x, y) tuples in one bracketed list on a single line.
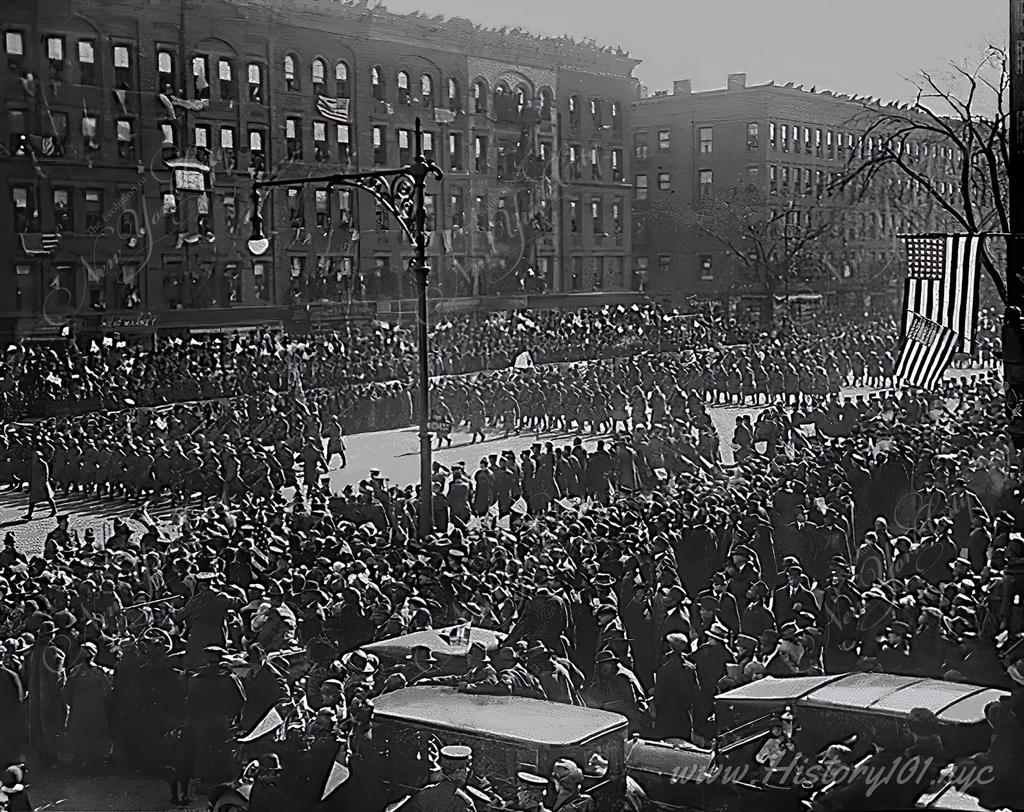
[(377, 80), (453, 93), (341, 79), (520, 98), (255, 83), (479, 97), (291, 80), (403, 87), (427, 90), (319, 73)]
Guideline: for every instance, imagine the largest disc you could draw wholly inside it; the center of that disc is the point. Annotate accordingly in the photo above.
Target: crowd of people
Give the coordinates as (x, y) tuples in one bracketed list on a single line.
[(637, 573)]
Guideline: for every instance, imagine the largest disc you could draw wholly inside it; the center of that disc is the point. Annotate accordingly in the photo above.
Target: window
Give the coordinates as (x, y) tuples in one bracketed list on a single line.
[(257, 155), (227, 148), (125, 139), (380, 153), (753, 175), (617, 165), (404, 146), (319, 75), (574, 161), (817, 143), (427, 91), (381, 216), (796, 140), (345, 208), (641, 187), (202, 136), (321, 202), (595, 113), (480, 153), (291, 79), (453, 94), (55, 56), (597, 216), (830, 144), (200, 82), (574, 111), (297, 267), (706, 177), (706, 136), (807, 140), (455, 151), (341, 80), (166, 78), (664, 181), (226, 72), (784, 177), (753, 136), (479, 97), (773, 178), (616, 118), (403, 87), (123, 67), (574, 216), (344, 144), (664, 139), (457, 208), (256, 94), (17, 129), (14, 43), (86, 62), (296, 216), (705, 262), (320, 153), (293, 138), (819, 181), (773, 135), (63, 219), (93, 210), (617, 216), (785, 138), (90, 133), (26, 218), (428, 146), (595, 163), (482, 221), (168, 135), (640, 145), (377, 81), (664, 265)]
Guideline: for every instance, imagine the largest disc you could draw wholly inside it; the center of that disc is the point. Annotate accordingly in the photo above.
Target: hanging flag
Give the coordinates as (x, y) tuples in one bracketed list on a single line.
[(120, 96), (166, 102), (338, 774), (927, 350), (40, 244), (942, 284), (442, 116), (268, 724), (189, 104), (334, 109)]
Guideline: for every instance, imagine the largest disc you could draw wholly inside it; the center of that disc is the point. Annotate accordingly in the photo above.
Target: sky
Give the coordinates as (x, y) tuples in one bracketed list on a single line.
[(867, 47)]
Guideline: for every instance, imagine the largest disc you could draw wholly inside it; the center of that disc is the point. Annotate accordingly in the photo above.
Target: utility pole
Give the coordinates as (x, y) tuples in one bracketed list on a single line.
[(1013, 332)]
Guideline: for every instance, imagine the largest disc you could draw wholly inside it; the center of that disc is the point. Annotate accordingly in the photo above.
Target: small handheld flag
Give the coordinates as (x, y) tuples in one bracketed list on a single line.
[(927, 351)]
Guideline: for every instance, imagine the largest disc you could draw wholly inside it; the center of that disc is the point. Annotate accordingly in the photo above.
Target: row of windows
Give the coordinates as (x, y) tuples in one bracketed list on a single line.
[(705, 262), (705, 140), (597, 216), (641, 185)]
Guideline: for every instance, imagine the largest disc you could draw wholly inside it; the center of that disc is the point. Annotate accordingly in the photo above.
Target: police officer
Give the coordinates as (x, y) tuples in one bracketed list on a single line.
[(449, 794), (566, 788), (530, 791)]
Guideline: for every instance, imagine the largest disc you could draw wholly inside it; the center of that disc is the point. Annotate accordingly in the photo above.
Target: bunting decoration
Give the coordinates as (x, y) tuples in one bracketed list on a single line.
[(37, 245)]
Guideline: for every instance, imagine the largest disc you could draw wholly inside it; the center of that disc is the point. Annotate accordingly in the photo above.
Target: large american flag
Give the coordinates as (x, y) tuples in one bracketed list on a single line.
[(334, 109), (942, 284), (927, 350)]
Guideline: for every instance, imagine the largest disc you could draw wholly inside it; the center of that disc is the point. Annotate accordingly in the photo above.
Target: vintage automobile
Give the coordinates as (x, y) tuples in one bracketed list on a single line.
[(507, 734), (811, 713), (452, 658)]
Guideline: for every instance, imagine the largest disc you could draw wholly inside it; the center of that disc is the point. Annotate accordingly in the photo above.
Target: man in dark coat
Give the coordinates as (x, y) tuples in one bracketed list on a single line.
[(710, 659), (13, 712), (458, 498), (676, 691), (205, 615), (265, 685), (483, 492), (215, 698), (46, 677), (544, 618), (40, 488), (792, 595)]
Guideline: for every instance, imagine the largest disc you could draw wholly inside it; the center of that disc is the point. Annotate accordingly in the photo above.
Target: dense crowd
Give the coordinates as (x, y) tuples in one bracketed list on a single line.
[(640, 576)]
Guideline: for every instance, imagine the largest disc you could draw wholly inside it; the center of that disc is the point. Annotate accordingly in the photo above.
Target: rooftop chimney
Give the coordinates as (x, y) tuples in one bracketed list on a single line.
[(682, 87), (737, 81)]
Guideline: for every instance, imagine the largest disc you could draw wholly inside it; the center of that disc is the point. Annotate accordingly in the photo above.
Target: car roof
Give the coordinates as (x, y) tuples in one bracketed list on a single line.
[(535, 721), (952, 702), (400, 646)]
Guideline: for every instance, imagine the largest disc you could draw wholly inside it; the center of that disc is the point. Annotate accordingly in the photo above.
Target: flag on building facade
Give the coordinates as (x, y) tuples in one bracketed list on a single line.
[(334, 109), (36, 245), (442, 116), (927, 350), (942, 284)]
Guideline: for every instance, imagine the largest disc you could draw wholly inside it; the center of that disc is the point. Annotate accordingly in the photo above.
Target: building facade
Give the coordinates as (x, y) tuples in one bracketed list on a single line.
[(133, 130), (790, 146)]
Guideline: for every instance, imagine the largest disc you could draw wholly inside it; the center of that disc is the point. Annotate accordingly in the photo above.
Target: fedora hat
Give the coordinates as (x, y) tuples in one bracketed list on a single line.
[(359, 662)]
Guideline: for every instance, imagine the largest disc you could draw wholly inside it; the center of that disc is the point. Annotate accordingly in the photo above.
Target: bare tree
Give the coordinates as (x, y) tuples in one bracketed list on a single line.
[(775, 239), (948, 149)]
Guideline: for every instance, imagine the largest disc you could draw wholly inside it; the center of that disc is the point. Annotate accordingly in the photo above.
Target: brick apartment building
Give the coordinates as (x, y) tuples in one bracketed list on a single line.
[(790, 144), (132, 131)]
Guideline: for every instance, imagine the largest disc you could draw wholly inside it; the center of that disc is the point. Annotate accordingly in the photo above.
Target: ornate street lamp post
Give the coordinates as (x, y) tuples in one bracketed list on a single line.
[(400, 192)]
